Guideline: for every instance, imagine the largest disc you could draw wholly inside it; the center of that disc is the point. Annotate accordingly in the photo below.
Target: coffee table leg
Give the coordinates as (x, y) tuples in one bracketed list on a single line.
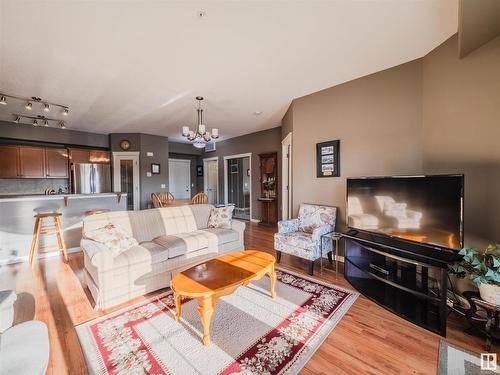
[(272, 275), (178, 304), (205, 309)]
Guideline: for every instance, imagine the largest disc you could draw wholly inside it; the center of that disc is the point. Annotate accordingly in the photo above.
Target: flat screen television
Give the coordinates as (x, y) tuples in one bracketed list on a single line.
[(421, 209)]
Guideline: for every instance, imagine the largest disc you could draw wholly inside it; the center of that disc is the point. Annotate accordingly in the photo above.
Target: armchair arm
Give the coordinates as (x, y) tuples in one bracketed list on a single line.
[(319, 231), (288, 226), (7, 299), (99, 255)]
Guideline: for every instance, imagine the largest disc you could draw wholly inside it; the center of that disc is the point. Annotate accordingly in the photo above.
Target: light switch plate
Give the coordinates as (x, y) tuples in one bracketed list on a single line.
[(148, 174), (149, 154), (163, 186)]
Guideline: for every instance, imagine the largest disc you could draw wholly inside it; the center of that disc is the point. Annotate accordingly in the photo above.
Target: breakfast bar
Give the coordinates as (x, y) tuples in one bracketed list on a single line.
[(17, 219)]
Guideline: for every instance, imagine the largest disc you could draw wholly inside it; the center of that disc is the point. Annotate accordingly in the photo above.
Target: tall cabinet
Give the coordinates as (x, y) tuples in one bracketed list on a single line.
[(269, 188)]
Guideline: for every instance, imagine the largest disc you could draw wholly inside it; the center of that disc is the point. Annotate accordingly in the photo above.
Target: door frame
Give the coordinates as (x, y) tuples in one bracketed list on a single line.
[(185, 161), (286, 173), (226, 158), (205, 175), (127, 155)]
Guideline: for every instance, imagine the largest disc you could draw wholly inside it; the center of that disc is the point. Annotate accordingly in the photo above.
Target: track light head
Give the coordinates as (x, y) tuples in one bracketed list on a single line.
[(3, 100), (17, 120), (35, 123), (65, 111), (46, 107), (29, 106), (46, 122), (62, 125)]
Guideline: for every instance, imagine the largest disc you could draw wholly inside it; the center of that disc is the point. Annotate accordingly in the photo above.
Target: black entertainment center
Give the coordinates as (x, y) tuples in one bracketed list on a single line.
[(403, 232)]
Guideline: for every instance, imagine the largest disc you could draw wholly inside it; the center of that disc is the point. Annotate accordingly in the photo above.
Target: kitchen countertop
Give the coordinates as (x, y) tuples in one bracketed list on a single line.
[(31, 197)]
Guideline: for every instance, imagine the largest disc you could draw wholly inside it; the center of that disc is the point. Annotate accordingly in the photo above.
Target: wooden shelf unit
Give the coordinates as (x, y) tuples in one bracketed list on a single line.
[(269, 188)]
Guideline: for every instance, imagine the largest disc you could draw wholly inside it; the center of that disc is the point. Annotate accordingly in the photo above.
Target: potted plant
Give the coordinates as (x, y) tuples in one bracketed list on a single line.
[(483, 268)]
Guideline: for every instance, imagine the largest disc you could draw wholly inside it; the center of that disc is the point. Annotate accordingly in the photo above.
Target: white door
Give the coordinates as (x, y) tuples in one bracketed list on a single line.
[(286, 173), (179, 178), (211, 179), (126, 177)]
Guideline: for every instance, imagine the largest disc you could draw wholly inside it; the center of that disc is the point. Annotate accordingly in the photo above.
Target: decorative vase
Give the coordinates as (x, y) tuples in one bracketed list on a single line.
[(490, 293)]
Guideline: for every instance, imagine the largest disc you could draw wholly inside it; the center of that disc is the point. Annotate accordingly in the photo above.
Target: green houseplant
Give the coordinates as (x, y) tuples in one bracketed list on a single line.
[(483, 268)]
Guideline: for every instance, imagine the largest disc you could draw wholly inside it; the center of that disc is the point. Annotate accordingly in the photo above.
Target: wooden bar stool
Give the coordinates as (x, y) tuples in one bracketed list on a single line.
[(55, 228), (97, 211)]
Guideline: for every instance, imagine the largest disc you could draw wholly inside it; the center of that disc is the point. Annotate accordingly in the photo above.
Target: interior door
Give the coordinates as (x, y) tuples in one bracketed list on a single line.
[(212, 181), (179, 178)]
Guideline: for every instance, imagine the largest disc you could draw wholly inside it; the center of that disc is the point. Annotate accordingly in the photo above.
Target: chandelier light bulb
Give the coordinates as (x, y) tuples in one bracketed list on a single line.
[(215, 133), (46, 107), (3, 100), (201, 129), (29, 106), (185, 131)]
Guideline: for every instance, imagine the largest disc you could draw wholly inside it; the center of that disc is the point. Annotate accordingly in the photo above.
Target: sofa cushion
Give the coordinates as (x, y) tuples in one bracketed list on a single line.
[(116, 239), (184, 243), (145, 253), (224, 235), (201, 213)]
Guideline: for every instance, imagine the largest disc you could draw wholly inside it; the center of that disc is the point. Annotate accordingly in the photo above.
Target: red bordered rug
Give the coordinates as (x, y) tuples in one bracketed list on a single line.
[(251, 333)]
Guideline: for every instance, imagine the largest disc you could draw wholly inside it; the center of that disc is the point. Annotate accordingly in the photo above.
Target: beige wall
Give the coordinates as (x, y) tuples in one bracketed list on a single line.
[(378, 121), (461, 128), (438, 114)]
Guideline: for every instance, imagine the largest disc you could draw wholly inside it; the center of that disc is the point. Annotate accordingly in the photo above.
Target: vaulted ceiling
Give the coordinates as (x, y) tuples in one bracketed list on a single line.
[(137, 66)]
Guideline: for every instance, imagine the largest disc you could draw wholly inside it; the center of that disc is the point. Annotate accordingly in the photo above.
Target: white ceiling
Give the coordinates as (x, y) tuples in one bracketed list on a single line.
[(136, 66)]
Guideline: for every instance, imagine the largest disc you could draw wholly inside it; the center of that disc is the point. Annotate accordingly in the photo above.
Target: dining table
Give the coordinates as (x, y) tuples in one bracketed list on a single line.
[(177, 203)]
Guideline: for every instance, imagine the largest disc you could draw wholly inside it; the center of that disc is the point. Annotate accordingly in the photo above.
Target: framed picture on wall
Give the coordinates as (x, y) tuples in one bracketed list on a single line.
[(328, 159), (155, 168), (199, 171)]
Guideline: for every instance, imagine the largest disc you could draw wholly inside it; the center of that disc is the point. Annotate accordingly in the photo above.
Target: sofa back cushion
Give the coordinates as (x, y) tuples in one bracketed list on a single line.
[(148, 224), (201, 214), (312, 216)]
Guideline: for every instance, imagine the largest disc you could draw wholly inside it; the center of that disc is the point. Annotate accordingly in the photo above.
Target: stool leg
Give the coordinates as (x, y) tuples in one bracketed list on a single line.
[(34, 242), (60, 238)]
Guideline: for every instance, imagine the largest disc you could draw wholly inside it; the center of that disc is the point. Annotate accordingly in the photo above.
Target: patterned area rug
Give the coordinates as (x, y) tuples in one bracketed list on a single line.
[(456, 361), (251, 333)]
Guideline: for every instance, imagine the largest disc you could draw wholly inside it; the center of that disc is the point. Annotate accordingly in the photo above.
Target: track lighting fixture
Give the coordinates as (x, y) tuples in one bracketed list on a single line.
[(45, 105), (46, 121)]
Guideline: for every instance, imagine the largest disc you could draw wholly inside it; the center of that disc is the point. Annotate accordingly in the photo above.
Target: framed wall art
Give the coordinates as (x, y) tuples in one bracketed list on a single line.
[(327, 159)]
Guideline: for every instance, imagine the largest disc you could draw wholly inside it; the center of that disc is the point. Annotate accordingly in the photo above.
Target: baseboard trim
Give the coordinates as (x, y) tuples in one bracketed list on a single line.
[(25, 258)]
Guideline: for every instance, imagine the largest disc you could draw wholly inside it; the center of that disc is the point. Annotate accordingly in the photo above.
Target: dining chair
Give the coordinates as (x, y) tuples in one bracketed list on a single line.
[(162, 199), (200, 198)]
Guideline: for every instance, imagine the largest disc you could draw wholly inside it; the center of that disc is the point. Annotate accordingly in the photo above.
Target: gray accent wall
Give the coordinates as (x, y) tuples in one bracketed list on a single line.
[(256, 143), (42, 134), (144, 143)]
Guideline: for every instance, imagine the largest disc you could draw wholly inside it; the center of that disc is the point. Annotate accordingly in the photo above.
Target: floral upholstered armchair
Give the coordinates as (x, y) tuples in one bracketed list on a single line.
[(302, 236)]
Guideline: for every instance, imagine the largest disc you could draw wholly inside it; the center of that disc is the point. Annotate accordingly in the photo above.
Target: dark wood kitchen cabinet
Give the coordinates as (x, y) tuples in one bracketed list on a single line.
[(100, 157), (56, 162), (31, 162), (9, 161)]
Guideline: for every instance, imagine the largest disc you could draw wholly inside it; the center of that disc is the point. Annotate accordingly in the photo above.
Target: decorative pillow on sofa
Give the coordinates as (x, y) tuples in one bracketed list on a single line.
[(221, 217), (113, 237)]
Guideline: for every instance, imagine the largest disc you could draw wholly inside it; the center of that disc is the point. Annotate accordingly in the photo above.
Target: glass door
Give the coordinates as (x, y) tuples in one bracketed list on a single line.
[(127, 181), (126, 177), (238, 186)]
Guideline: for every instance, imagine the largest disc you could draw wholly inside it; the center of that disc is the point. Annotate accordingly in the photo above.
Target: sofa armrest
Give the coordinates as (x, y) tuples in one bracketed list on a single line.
[(319, 231), (100, 256), (238, 226), (7, 299), (288, 226)]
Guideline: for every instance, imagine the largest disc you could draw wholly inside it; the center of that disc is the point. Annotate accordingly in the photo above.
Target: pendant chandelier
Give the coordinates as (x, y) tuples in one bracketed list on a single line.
[(200, 136)]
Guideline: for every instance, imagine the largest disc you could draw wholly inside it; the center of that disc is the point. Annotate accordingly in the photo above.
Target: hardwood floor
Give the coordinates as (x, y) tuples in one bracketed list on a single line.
[(368, 340)]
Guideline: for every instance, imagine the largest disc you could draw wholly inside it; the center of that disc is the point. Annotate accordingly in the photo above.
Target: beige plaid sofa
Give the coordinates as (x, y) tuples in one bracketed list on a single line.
[(170, 240)]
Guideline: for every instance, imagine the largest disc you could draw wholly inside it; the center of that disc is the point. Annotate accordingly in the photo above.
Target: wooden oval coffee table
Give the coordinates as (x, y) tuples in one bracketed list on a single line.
[(219, 277)]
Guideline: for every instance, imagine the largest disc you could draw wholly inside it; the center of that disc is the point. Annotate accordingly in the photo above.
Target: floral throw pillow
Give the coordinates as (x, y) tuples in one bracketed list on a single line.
[(221, 217), (113, 237)]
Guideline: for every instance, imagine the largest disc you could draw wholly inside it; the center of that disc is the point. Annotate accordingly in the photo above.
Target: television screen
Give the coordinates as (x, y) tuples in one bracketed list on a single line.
[(425, 209)]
